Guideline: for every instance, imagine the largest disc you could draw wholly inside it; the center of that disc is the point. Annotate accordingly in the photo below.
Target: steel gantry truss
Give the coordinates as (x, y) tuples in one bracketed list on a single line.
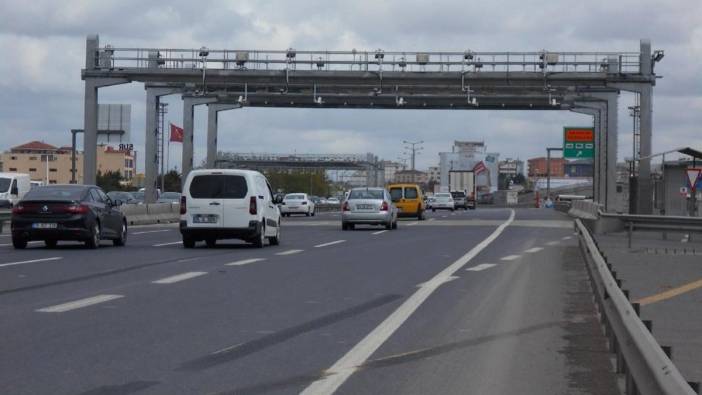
[(587, 82)]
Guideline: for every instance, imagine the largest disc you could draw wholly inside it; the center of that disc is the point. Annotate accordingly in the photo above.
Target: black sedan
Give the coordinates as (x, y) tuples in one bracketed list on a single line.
[(68, 212)]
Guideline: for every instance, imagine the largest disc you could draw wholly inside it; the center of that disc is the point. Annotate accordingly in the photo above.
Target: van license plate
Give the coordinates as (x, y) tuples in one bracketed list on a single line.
[(44, 225), (205, 219)]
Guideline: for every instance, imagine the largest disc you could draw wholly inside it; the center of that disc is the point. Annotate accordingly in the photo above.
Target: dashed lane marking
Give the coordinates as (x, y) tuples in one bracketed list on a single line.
[(289, 252), (53, 258), (510, 257), (168, 244), (245, 262), (179, 277), (553, 243), (566, 238), (78, 304), (379, 232), (331, 243), (481, 267), (533, 250), (151, 231), (412, 223)]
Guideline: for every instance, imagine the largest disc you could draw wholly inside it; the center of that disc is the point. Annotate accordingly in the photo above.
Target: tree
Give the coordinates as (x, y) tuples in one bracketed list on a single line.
[(110, 181), (171, 182), (312, 182)]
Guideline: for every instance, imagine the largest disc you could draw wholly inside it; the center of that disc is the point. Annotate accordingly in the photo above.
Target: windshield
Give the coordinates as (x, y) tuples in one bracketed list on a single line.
[(366, 194), (5, 184), (295, 197), (55, 193), (458, 194)]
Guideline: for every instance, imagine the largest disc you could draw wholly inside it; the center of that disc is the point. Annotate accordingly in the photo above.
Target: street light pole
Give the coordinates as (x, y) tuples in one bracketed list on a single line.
[(410, 145)]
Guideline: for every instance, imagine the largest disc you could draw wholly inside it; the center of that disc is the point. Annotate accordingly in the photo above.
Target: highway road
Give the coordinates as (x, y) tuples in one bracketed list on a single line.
[(492, 301)]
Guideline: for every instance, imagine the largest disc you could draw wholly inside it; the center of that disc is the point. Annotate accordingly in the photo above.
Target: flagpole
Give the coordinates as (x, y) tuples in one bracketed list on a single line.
[(168, 155)]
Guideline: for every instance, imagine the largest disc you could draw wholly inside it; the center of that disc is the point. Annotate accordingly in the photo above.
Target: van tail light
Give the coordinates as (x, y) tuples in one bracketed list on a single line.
[(183, 205), (77, 209), (384, 206), (253, 210), (346, 207)]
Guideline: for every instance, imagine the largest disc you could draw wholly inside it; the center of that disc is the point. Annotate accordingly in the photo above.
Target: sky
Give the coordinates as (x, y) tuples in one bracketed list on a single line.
[(43, 48)]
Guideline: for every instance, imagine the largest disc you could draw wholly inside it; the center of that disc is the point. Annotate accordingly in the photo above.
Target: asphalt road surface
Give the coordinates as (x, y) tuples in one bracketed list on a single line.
[(491, 301)]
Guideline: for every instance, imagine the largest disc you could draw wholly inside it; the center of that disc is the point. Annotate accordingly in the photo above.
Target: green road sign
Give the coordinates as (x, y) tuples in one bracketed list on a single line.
[(578, 143)]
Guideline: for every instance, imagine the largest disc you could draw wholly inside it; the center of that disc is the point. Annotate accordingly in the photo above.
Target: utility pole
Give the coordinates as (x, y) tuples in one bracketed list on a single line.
[(413, 149), (162, 111)]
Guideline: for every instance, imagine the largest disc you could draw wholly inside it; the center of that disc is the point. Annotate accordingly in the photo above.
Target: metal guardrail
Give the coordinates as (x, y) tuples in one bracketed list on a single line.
[(109, 57), (4, 216), (646, 367), (662, 223)]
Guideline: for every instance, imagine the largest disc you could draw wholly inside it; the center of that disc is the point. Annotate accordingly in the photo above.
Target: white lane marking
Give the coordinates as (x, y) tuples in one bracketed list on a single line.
[(566, 238), (245, 262), (379, 232), (533, 250), (510, 257), (151, 231), (412, 223), (444, 216), (552, 243), (77, 304), (338, 373), (331, 243), (168, 244), (481, 267), (289, 252), (53, 258), (29, 242), (431, 219), (179, 277)]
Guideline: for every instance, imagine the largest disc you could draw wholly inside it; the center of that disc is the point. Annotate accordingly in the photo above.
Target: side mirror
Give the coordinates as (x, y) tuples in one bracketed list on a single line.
[(14, 190)]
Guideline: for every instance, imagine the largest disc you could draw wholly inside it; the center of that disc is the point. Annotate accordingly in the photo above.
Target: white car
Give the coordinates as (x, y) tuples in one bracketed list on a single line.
[(228, 204), (333, 200), (443, 201), (297, 203)]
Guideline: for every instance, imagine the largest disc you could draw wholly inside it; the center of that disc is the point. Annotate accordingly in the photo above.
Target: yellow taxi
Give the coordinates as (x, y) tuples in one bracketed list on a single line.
[(409, 200)]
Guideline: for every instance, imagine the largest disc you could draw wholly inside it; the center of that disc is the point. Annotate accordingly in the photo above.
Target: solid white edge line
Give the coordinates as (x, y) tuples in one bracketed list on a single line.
[(245, 262), (331, 243), (379, 232), (289, 252), (338, 373), (179, 277), (55, 258), (80, 303), (167, 244)]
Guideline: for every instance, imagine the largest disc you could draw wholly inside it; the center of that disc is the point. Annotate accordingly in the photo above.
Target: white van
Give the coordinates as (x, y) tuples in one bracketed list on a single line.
[(228, 204), (13, 187)]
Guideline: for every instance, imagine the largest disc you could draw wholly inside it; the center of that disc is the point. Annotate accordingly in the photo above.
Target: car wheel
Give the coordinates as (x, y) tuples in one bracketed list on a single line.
[(94, 240), (433, 210), (211, 243), (344, 226), (314, 212), (260, 240), (188, 242), (275, 240), (50, 243), (394, 225), (122, 240), (420, 215), (352, 226), (19, 243)]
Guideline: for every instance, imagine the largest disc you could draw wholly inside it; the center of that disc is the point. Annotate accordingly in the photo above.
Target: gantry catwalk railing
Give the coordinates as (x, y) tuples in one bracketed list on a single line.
[(109, 57)]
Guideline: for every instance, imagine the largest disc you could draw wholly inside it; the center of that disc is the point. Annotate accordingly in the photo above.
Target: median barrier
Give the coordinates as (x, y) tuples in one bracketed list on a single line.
[(155, 213)]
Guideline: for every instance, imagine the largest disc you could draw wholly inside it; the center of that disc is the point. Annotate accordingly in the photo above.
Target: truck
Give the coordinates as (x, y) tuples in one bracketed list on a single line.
[(463, 188)]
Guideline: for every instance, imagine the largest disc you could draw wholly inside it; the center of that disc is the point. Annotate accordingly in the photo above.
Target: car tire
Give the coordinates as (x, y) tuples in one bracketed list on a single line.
[(344, 226), (275, 240), (211, 243), (388, 226), (420, 216), (307, 214), (352, 226), (50, 243), (188, 242), (122, 239), (19, 243), (433, 210), (94, 241), (260, 240), (394, 225)]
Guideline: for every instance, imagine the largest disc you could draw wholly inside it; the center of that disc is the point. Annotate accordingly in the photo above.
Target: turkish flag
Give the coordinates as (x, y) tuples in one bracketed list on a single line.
[(176, 134), (479, 168)]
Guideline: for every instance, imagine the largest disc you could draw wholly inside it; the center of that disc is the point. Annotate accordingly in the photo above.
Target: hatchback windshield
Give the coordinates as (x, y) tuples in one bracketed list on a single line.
[(55, 193), (366, 194), (5, 184)]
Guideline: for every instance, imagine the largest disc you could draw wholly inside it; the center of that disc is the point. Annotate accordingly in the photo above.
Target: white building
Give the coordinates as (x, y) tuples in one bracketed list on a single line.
[(466, 155), (390, 169), (434, 174)]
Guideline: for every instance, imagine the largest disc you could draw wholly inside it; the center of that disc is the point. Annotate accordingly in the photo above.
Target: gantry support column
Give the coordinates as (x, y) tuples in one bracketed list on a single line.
[(153, 97), (212, 121), (189, 104), (90, 109)]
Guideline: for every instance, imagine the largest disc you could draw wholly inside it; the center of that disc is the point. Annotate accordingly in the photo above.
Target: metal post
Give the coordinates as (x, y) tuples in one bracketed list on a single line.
[(151, 146), (645, 130), (90, 125), (73, 154), (610, 156), (211, 135), (548, 173)]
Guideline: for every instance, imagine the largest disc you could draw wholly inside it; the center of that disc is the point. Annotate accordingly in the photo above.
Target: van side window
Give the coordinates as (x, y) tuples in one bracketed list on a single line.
[(14, 185)]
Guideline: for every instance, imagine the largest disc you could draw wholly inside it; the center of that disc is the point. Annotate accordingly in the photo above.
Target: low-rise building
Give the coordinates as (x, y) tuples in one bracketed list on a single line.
[(537, 167), (52, 165), (411, 177)]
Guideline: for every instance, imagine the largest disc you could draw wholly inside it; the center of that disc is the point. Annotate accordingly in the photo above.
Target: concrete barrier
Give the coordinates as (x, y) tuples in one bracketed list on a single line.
[(146, 214)]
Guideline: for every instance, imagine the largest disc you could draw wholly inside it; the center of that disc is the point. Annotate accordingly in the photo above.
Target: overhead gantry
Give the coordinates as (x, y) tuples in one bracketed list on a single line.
[(584, 82)]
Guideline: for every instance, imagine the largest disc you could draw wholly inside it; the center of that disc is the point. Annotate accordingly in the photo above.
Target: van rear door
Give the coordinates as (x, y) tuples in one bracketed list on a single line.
[(204, 201), (236, 201)]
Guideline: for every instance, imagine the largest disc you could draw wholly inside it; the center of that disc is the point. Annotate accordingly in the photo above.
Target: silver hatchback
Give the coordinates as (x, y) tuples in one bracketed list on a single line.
[(368, 206)]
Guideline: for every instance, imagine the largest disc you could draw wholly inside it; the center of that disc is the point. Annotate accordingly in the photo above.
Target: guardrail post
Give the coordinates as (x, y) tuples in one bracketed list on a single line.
[(668, 350), (637, 308), (648, 324)]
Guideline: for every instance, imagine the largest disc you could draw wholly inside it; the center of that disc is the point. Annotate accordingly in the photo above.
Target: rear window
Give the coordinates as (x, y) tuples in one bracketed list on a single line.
[(55, 193), (294, 197), (366, 194), (458, 194), (218, 186), (395, 194), (411, 193)]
